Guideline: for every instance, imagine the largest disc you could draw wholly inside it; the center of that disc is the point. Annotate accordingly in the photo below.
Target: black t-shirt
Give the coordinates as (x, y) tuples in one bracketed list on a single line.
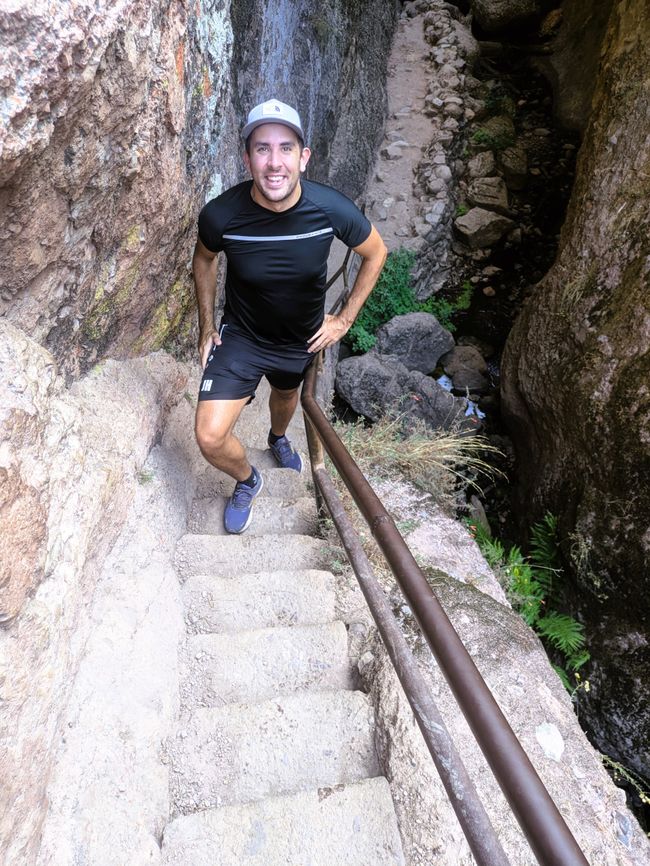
[(277, 262)]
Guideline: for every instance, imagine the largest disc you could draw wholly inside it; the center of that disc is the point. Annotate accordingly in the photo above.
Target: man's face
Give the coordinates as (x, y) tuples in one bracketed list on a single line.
[(275, 161)]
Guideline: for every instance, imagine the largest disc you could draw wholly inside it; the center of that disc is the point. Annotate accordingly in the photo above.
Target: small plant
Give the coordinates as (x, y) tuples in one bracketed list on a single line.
[(493, 141), (443, 309), (623, 774), (529, 586), (461, 210)]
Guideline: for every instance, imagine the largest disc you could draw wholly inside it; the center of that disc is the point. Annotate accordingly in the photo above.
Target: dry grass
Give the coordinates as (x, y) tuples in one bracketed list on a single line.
[(436, 461)]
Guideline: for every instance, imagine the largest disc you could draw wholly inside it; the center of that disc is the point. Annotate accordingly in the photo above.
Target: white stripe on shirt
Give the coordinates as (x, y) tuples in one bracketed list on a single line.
[(280, 237)]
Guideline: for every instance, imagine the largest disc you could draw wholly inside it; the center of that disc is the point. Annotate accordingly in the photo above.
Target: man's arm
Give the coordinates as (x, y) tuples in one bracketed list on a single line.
[(204, 270), (373, 252)]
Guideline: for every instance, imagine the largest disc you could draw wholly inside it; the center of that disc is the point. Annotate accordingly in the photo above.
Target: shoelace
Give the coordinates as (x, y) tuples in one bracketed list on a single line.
[(243, 496), (283, 446)]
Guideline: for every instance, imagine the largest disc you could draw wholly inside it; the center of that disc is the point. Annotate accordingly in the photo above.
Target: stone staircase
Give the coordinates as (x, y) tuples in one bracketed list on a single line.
[(274, 761)]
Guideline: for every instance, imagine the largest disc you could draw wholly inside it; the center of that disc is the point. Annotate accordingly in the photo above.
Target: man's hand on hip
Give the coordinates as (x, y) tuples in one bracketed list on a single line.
[(330, 332), (206, 342)]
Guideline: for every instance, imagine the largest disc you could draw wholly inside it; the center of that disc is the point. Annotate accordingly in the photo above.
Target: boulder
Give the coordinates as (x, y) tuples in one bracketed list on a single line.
[(490, 193), (418, 339), (496, 15), (377, 385), (482, 165), (513, 162), (482, 228), (372, 383), (467, 369), (435, 406)]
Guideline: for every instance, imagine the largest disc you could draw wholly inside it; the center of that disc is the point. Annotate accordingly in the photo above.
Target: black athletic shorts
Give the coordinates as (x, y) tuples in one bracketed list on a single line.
[(234, 368)]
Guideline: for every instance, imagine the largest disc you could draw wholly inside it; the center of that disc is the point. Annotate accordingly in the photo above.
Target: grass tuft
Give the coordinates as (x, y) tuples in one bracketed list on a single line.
[(436, 461)]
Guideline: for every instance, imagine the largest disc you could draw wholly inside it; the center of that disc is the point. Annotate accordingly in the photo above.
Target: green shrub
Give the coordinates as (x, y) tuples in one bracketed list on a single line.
[(393, 296)]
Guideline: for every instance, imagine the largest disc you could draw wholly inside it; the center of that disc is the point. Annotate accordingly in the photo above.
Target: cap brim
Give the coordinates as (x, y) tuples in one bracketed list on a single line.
[(246, 131)]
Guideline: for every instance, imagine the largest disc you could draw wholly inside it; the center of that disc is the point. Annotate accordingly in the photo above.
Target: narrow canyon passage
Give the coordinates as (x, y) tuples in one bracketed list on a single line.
[(462, 128)]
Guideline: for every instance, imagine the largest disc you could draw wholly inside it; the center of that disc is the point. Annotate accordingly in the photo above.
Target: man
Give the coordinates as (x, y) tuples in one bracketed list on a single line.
[(276, 231)]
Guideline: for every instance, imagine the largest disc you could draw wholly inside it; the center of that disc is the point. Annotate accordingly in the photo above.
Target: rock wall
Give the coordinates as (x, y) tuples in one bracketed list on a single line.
[(517, 671), (111, 140), (330, 61), (119, 120), (71, 462), (576, 387), (125, 121)]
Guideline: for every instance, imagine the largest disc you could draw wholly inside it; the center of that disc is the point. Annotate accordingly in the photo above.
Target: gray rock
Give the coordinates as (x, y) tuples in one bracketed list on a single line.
[(372, 383), (430, 403), (490, 193), (418, 339), (496, 15), (444, 173), (468, 47), (436, 185), (482, 228), (514, 164), (467, 369), (500, 128), (376, 385), (393, 151), (436, 214), (482, 165)]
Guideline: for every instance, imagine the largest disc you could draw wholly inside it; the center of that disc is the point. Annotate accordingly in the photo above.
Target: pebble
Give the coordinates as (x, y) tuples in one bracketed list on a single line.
[(489, 292)]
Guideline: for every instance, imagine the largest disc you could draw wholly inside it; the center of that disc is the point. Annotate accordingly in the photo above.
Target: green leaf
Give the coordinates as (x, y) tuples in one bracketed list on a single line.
[(562, 631)]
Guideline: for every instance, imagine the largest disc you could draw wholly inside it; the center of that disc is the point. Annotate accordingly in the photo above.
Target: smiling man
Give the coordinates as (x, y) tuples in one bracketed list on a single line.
[(276, 231)]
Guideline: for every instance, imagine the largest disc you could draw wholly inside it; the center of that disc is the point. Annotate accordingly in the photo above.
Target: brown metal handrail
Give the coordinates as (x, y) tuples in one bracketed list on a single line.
[(537, 814)]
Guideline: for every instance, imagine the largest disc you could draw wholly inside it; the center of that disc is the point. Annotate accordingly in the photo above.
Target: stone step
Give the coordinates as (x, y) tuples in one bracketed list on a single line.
[(280, 483), (349, 825), (254, 666), (259, 600), (225, 555), (271, 516), (246, 752)]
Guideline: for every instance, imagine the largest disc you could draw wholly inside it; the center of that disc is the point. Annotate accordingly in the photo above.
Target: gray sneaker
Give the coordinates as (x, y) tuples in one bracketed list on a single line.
[(239, 508)]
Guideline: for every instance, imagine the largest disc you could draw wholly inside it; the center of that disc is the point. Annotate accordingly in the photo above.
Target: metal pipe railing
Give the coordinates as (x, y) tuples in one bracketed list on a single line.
[(478, 830), (537, 814)]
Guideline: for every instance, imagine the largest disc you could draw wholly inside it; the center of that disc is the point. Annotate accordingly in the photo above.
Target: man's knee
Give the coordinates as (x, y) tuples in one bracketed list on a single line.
[(210, 437), (214, 423)]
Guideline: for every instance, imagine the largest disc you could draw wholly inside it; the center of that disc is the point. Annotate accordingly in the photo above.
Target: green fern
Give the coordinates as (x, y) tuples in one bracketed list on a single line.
[(525, 592), (562, 631), (529, 588)]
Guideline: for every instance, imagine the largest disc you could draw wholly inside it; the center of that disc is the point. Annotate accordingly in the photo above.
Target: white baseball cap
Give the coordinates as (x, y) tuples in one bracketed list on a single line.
[(273, 111)]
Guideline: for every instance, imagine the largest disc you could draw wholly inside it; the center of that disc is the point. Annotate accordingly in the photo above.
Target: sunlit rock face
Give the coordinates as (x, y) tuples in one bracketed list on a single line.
[(120, 121), (576, 387), (111, 139)]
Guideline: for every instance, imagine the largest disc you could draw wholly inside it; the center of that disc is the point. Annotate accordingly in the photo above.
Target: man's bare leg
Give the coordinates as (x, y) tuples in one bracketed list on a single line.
[(282, 405), (215, 421)]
